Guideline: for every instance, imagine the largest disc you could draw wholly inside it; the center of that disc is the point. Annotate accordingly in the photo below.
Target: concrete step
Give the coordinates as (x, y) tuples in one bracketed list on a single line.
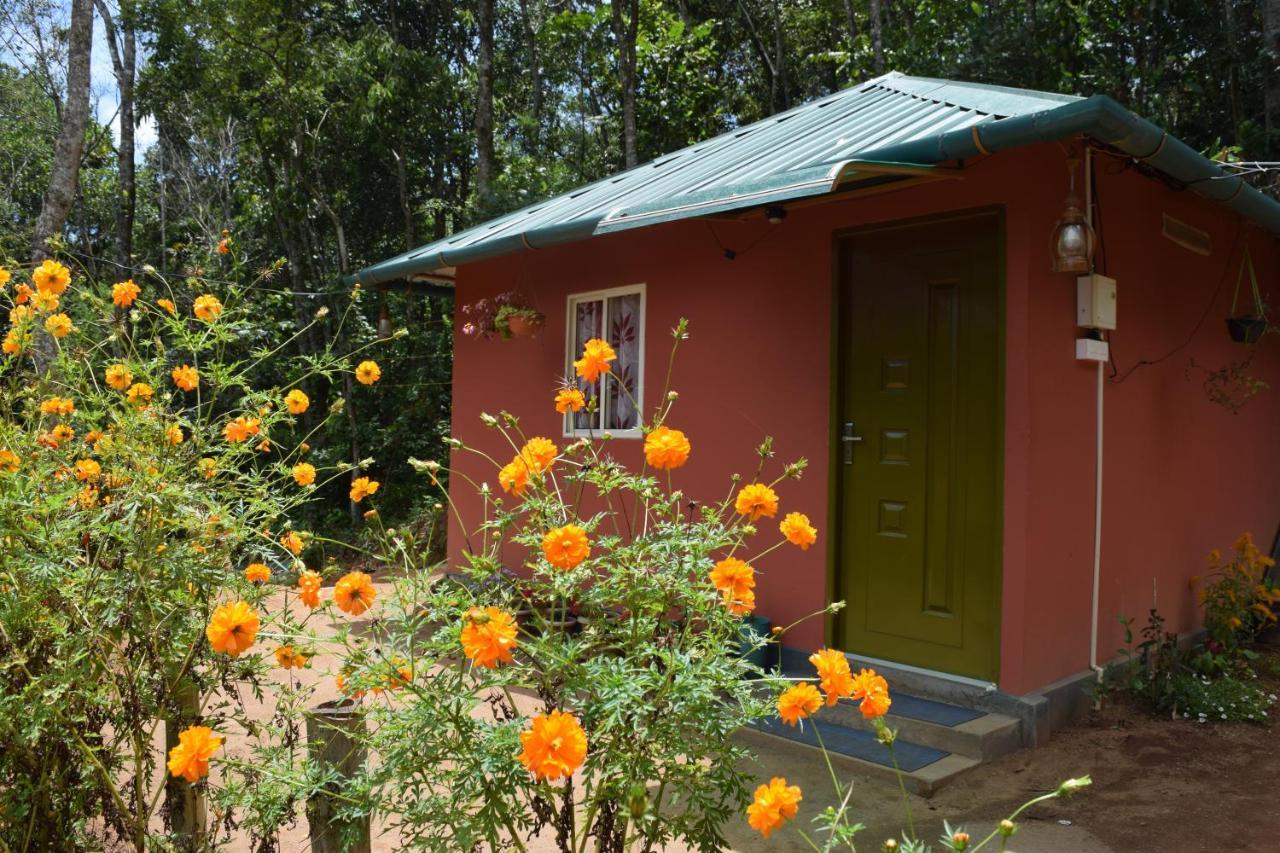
[(857, 753), (940, 725)]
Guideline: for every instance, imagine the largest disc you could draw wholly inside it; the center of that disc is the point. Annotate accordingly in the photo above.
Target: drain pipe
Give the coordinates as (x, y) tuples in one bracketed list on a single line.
[(1097, 488)]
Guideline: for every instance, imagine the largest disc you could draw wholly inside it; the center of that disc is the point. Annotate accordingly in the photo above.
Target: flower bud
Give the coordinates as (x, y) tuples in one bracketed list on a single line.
[(959, 840), (890, 845), (488, 419), (322, 311), (1072, 785), (1006, 828), (638, 802), (673, 395)]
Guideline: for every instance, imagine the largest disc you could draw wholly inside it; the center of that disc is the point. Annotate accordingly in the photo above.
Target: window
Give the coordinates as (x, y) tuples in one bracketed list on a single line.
[(617, 316)]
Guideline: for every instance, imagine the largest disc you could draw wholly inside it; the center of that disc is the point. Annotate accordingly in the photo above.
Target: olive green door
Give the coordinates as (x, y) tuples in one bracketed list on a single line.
[(918, 444)]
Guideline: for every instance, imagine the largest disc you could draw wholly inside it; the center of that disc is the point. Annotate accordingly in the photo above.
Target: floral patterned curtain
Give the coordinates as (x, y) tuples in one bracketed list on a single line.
[(588, 321), (624, 337)]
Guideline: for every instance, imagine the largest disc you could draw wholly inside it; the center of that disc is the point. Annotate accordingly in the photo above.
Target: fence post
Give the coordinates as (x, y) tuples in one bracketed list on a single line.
[(187, 804), (333, 741)]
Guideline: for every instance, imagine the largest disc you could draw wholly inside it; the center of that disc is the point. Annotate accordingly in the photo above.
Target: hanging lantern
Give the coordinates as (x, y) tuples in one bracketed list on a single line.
[(1073, 238), (384, 319)]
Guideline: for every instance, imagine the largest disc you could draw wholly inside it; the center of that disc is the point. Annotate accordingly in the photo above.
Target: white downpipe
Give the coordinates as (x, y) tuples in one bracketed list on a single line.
[(1097, 486)]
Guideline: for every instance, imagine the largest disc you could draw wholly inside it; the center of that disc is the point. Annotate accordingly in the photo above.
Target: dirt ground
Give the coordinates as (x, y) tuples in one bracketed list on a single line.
[(1158, 785)]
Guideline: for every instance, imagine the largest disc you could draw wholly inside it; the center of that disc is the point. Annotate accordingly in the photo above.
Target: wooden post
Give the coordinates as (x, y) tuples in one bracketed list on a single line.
[(187, 804), (332, 740)]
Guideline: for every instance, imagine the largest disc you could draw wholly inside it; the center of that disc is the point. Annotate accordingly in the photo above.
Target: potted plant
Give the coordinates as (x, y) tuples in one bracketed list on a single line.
[(517, 321), (1247, 328), (509, 314)]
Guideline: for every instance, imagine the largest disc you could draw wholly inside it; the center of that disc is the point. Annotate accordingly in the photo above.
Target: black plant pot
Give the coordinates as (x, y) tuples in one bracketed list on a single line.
[(1246, 329)]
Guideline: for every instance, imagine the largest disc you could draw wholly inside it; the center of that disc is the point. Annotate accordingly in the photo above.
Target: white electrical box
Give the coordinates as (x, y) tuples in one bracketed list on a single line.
[(1096, 302), (1091, 349)]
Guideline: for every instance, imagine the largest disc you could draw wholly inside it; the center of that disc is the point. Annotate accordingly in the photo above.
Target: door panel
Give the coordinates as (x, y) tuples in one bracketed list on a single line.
[(918, 560)]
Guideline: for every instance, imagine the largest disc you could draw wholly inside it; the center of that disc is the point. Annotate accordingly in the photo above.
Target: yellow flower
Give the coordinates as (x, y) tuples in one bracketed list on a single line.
[(21, 294), (538, 453), (798, 530), (19, 314), (87, 498), (736, 582), (774, 804), (8, 462), (190, 758), (174, 435), (232, 628), (362, 487), (58, 325), (207, 467), (224, 246), (566, 547), (257, 573), (833, 670), (873, 691), (88, 470), (293, 542), (304, 473), (798, 702), (368, 372), (296, 401), (309, 588), (15, 341), (119, 377), (514, 476), (51, 277), (489, 636), (665, 448), (123, 293), (44, 300), (186, 377), (5, 275), (167, 305), (58, 406), (139, 394), (287, 658), (756, 500), (596, 355), (207, 307), (570, 400), (554, 746), (354, 593)]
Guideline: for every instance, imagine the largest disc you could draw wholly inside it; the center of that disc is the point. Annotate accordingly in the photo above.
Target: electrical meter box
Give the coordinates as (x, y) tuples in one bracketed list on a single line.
[(1096, 302)]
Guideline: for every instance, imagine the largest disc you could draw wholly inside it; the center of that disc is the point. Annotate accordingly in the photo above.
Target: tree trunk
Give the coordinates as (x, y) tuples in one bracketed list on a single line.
[(61, 190), (851, 22), (535, 72), (122, 42), (485, 167), (1233, 70), (780, 54), (877, 40), (625, 31), (1271, 55)]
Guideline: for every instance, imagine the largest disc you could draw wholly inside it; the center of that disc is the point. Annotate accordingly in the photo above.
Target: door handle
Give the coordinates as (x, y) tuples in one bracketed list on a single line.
[(848, 438)]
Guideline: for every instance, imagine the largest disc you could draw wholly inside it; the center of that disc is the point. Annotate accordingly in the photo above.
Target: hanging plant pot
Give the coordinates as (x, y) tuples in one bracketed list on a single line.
[(1246, 329), (524, 325)]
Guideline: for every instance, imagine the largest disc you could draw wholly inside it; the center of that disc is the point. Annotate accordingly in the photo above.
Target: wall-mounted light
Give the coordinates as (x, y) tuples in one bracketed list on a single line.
[(1073, 239), (775, 214)]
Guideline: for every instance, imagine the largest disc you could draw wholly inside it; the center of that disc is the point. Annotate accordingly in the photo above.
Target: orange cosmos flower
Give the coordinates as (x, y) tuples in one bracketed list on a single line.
[(140, 394), (554, 747), (596, 355), (190, 758), (58, 406), (566, 547), (288, 658), (257, 573), (756, 500), (736, 581), (232, 628), (45, 301), (296, 401), (88, 470), (798, 702), (58, 325), (51, 277), (207, 307), (362, 487), (538, 453), (354, 593), (5, 275), (119, 377), (8, 461), (309, 588), (774, 805), (873, 690), (174, 435), (123, 293), (293, 542), (304, 473), (22, 294), (207, 467), (665, 448), (833, 670), (241, 428), (488, 636), (186, 377), (514, 476), (167, 305), (570, 400), (368, 372), (798, 530)]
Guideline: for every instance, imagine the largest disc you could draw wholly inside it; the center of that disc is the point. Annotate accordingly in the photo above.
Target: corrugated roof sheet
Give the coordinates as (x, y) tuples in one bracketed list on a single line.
[(803, 152)]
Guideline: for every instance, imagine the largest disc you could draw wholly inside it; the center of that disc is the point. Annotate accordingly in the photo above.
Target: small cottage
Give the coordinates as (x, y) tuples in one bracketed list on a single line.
[(993, 320)]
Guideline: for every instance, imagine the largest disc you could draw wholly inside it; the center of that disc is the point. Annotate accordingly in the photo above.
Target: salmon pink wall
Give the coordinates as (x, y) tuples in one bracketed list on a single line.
[(759, 363)]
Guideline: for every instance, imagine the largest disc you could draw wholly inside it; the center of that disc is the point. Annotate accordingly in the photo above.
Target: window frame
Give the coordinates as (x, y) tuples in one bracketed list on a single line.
[(570, 333)]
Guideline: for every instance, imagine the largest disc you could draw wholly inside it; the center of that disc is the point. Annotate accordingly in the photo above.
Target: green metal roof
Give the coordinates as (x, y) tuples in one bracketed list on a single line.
[(820, 146)]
